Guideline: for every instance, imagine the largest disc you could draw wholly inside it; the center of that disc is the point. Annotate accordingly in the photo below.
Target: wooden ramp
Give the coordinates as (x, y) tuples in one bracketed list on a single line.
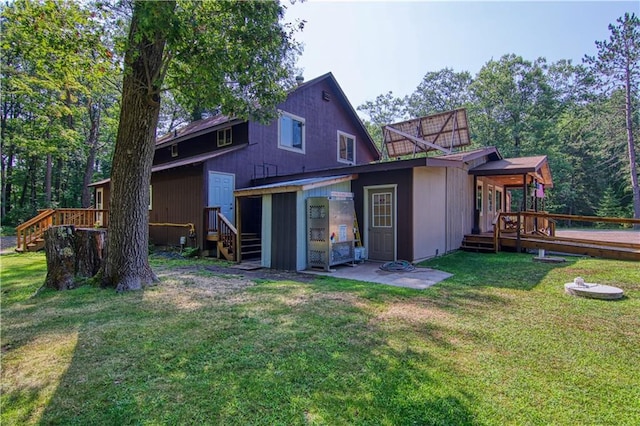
[(537, 230), (603, 249)]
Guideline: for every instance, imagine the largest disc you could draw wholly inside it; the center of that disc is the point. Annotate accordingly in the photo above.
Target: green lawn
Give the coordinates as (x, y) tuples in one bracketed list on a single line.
[(498, 343)]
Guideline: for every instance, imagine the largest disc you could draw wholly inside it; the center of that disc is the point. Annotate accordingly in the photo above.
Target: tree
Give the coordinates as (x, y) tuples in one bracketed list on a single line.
[(232, 55), (514, 106), (54, 63), (439, 91), (617, 67)]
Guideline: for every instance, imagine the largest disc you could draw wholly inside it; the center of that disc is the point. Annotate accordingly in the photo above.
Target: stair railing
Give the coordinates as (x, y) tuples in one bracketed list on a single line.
[(33, 229), (227, 238)]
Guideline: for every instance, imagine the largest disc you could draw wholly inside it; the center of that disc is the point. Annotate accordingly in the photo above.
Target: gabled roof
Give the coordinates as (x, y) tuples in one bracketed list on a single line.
[(196, 158), (210, 124), (196, 128), (347, 105), (184, 162), (510, 170)]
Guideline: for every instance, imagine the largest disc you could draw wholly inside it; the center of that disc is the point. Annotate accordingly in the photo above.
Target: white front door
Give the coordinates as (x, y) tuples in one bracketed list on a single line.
[(221, 187)]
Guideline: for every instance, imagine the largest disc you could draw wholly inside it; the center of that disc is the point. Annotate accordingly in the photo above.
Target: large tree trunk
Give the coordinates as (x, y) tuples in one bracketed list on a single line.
[(127, 265), (635, 187), (47, 181), (94, 116)]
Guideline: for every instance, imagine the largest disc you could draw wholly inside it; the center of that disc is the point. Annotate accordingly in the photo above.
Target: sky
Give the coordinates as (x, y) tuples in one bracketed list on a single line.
[(373, 47)]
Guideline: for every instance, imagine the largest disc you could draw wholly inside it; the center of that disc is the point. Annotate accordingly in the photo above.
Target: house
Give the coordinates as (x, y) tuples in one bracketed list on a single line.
[(221, 177), (411, 209), (202, 164)]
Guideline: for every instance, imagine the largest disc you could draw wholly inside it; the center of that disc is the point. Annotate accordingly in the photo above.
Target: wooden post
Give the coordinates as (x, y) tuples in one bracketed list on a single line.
[(238, 202)]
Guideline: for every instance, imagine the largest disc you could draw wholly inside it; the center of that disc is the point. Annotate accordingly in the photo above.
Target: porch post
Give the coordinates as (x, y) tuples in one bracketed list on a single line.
[(476, 212), (524, 193), (238, 203)]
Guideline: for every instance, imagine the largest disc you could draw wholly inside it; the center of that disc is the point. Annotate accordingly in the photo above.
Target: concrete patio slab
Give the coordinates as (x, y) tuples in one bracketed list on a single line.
[(419, 278)]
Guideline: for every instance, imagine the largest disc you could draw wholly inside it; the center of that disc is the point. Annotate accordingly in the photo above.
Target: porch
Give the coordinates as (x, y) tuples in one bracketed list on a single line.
[(217, 229), (538, 230)]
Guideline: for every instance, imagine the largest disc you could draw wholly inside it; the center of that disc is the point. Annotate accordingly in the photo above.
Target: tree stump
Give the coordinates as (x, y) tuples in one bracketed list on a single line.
[(59, 246), (71, 254), (90, 251)]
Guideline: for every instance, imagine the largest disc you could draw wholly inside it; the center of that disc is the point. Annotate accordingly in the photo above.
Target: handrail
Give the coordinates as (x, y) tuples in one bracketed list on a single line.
[(543, 224), (227, 236), (34, 228), (22, 230)]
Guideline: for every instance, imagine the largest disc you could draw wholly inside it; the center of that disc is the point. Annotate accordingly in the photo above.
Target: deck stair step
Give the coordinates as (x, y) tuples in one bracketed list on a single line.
[(478, 243), (251, 245), (35, 245)]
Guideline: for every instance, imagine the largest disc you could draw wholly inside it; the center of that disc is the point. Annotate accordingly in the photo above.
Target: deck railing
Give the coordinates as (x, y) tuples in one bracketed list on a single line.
[(33, 229), (225, 234), (543, 225), (211, 220), (228, 238)]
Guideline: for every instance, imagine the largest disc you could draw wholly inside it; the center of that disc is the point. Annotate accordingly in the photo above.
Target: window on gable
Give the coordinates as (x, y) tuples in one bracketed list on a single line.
[(346, 148), (174, 150), (291, 132), (224, 137)]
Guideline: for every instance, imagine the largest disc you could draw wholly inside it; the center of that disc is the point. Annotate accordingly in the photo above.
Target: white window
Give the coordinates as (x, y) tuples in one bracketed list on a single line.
[(150, 197), (224, 137), (346, 148), (291, 132), (174, 150), (498, 200)]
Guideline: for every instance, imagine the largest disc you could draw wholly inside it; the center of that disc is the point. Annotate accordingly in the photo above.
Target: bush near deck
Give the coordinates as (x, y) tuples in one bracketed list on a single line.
[(498, 343)]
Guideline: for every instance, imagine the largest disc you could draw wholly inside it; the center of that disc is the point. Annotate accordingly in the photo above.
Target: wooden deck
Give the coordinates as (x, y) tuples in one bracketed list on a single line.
[(609, 244)]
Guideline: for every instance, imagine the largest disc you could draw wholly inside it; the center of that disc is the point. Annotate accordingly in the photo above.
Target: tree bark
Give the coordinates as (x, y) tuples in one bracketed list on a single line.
[(61, 258), (94, 116), (47, 181), (90, 248), (71, 254), (127, 265), (635, 187)]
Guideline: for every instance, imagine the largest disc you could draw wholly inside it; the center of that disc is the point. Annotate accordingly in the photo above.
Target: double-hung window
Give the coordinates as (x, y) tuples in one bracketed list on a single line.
[(291, 132), (346, 148)]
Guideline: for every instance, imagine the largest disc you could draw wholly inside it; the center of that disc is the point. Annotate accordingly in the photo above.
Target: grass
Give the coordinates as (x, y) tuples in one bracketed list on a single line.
[(498, 343)]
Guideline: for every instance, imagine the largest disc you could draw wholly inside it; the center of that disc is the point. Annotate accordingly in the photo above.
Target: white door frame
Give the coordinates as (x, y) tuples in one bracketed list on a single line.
[(367, 200), (232, 215)]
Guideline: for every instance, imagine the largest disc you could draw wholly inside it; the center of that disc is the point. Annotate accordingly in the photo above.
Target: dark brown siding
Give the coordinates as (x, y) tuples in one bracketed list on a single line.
[(201, 144), (177, 198), (283, 225), (404, 181)]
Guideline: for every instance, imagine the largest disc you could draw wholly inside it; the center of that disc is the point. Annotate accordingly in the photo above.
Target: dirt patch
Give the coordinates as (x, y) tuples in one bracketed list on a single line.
[(262, 274)]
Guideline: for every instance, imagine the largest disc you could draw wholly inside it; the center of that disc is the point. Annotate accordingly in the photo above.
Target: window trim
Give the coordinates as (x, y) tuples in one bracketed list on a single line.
[(224, 137), (296, 118), (174, 150), (347, 136)]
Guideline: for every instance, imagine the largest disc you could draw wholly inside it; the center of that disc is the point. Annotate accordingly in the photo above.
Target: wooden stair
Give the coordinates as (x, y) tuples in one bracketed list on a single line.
[(478, 243), (251, 246)]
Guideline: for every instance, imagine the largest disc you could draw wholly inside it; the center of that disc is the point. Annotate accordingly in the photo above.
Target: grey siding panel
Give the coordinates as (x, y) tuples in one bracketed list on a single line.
[(283, 231)]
